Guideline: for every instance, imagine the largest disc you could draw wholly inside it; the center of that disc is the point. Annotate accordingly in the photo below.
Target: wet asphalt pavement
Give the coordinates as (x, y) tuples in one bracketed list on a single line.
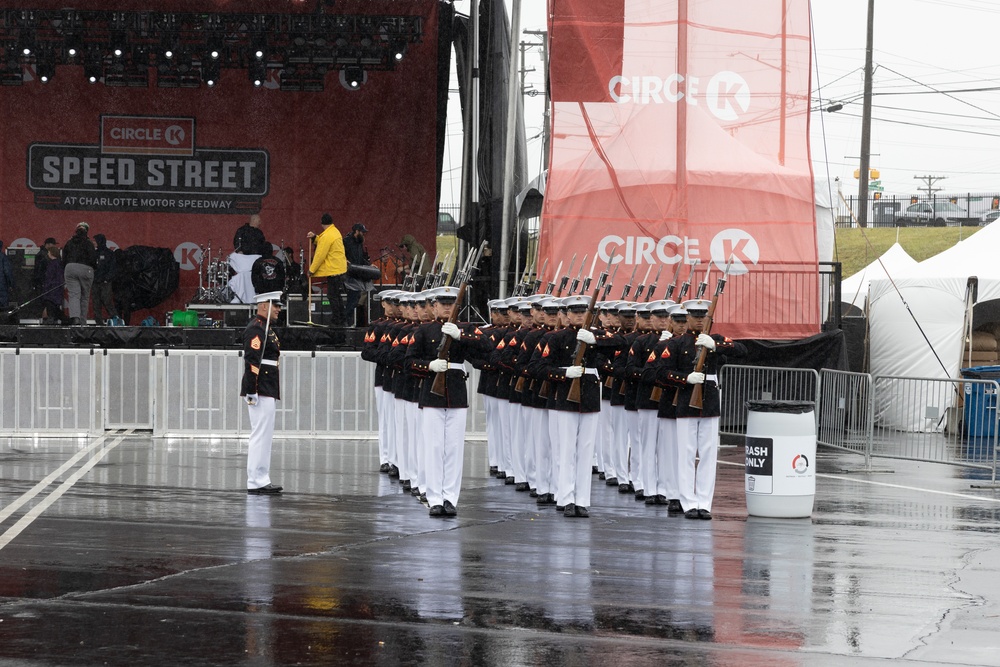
[(140, 551)]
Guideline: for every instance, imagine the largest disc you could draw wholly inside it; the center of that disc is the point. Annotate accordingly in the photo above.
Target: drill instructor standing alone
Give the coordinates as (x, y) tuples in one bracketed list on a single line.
[(260, 389)]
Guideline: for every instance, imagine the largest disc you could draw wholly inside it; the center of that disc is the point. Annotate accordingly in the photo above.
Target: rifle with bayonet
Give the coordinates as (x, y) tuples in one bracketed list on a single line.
[(576, 281), (611, 281), (440, 380), (703, 285), (555, 276), (696, 393), (539, 276), (586, 281), (565, 278), (686, 285), (673, 283), (628, 285), (573, 395), (442, 275), (639, 289), (652, 286)]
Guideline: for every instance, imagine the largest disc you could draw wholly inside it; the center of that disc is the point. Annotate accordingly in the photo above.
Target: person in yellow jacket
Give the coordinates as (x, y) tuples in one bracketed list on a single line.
[(330, 262)]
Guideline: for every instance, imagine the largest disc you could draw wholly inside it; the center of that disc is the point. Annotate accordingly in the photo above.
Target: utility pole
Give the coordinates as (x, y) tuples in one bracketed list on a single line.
[(866, 122), (544, 35), (930, 181)]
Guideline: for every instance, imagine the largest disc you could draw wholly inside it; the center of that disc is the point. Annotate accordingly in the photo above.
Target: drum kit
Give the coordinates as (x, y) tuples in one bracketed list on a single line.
[(213, 278)]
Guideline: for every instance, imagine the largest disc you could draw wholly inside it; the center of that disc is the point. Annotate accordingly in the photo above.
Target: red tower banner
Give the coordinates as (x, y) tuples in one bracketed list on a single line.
[(699, 154), (181, 167)]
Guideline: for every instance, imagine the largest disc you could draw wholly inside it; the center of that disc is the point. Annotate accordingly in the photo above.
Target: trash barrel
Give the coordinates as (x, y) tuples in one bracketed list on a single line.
[(780, 458), (979, 409)]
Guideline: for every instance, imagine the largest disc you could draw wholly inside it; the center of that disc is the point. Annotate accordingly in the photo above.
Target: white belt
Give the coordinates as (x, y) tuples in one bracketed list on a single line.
[(268, 362), (586, 371), (456, 367), (713, 378)]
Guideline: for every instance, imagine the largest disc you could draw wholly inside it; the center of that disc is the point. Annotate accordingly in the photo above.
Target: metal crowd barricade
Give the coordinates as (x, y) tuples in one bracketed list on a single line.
[(845, 412), (128, 389), (50, 392), (739, 384), (937, 420)]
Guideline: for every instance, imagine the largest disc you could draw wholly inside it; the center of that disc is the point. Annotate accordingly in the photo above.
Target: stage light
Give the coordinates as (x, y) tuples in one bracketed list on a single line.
[(210, 73), (26, 51), (214, 54), (257, 73), (352, 78), (398, 50), (168, 54), (71, 52), (92, 70), (118, 53), (259, 54)]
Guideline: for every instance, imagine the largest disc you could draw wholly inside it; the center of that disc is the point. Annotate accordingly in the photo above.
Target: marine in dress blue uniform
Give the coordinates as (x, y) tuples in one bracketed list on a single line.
[(260, 389)]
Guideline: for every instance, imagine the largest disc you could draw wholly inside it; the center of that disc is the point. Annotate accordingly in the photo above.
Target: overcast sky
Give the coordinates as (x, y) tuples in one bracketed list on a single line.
[(936, 102)]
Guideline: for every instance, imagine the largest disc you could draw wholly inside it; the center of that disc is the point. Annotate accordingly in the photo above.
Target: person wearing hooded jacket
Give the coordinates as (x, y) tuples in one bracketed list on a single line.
[(105, 270), (417, 252), (79, 257)]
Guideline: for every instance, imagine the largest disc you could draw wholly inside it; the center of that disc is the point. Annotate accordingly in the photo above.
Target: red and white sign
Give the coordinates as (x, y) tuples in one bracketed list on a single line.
[(147, 135), (687, 141)]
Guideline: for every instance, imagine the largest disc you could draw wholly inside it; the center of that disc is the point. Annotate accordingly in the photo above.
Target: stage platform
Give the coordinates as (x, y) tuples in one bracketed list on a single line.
[(292, 337)]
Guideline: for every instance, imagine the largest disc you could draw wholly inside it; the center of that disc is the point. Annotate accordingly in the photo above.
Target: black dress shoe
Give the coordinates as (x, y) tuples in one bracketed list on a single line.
[(509, 479), (493, 470), (631, 489), (384, 467), (393, 471), (705, 515), (623, 488), (423, 498), (674, 506), (270, 489), (650, 500), (533, 493), (582, 512), (569, 510), (437, 510), (611, 481), (560, 508), (594, 470), (406, 484), (639, 495), (500, 474), (691, 514), (414, 491), (601, 475), (449, 509), (521, 486), (660, 500)]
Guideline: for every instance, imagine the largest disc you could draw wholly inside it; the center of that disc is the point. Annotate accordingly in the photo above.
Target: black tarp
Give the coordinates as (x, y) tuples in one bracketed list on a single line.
[(824, 350), (146, 277)]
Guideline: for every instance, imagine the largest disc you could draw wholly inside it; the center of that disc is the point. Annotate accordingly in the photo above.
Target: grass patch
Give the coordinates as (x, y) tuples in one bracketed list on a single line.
[(856, 248)]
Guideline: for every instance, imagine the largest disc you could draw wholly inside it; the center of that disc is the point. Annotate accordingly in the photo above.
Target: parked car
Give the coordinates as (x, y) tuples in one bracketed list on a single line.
[(940, 214), (990, 217)]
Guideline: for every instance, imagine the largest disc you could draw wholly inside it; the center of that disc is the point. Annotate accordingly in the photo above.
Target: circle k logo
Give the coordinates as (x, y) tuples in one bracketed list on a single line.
[(174, 135), (726, 92), (738, 245)]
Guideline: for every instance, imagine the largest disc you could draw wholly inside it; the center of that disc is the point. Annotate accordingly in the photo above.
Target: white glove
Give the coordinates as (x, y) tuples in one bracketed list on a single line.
[(438, 365), (705, 341), (251, 399), (574, 372), (586, 336), (666, 335), (451, 329), (696, 378)]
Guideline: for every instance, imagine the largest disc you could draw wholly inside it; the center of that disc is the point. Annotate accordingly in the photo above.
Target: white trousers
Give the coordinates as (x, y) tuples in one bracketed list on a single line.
[(530, 435), (412, 435), (697, 437), (379, 414), (506, 463), (618, 446), (261, 434), (443, 431), (399, 437), (646, 446), (667, 456), (492, 434), (517, 450), (573, 437), (545, 480), (634, 463), (601, 458), (387, 426)]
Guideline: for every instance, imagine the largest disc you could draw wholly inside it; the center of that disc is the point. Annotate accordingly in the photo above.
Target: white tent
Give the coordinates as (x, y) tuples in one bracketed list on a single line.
[(938, 295), (894, 262)]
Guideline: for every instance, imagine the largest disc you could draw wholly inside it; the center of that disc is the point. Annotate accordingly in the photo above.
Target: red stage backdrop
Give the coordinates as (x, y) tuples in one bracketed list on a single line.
[(683, 138), (179, 168)]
